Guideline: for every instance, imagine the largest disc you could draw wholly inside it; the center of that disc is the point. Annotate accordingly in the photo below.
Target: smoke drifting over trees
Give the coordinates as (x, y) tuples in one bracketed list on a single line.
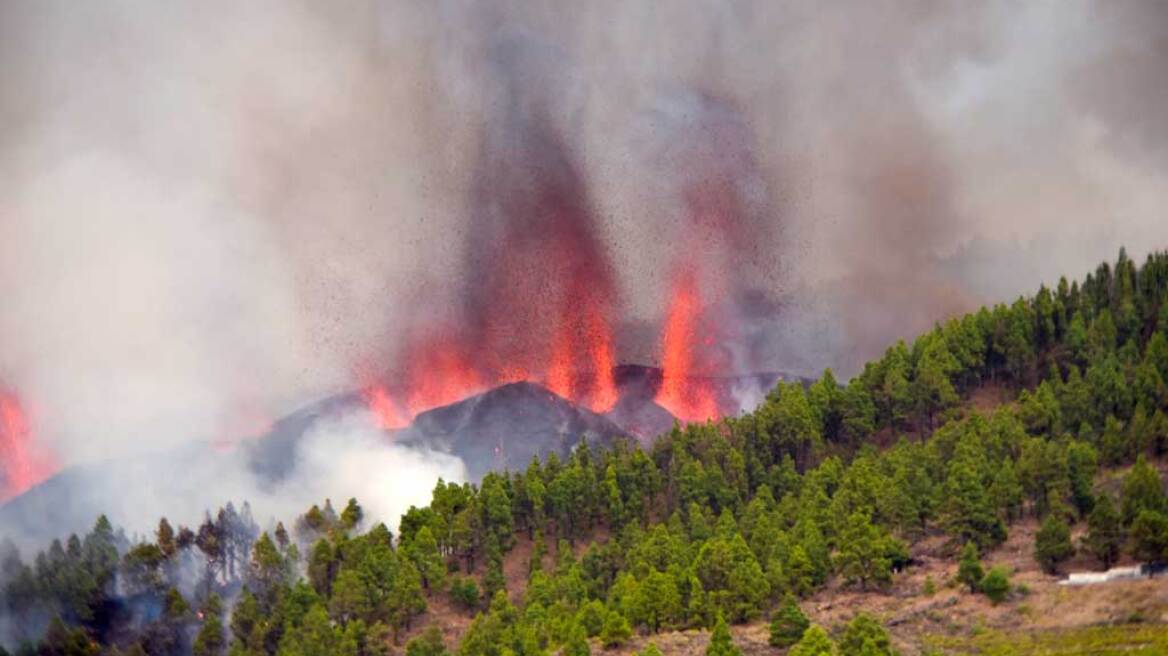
[(213, 213)]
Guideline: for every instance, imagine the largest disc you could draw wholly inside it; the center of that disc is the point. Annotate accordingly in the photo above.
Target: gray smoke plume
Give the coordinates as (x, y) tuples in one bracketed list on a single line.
[(214, 213)]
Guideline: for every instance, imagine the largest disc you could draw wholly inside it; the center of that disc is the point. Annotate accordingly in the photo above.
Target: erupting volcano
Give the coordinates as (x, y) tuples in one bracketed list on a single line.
[(22, 463), (538, 300)]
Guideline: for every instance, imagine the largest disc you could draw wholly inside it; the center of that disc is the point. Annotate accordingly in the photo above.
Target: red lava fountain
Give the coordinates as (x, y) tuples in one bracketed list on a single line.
[(22, 464), (581, 363), (685, 395)]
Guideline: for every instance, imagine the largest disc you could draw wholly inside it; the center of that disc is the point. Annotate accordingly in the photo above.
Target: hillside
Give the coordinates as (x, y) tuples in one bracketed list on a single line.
[(930, 504)]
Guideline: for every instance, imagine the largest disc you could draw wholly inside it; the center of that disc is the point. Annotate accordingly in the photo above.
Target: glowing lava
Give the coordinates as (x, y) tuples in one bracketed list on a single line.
[(686, 396), (580, 367), (23, 465), (384, 408)]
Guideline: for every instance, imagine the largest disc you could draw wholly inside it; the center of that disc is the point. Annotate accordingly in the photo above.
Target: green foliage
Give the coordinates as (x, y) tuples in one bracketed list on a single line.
[(464, 592), (864, 635), (1052, 544), (969, 569), (577, 644), (929, 588), (814, 643), (429, 643), (211, 639), (1149, 536), (1104, 539), (591, 618), (789, 623), (721, 644), (1142, 490), (865, 550), (616, 631), (996, 584)]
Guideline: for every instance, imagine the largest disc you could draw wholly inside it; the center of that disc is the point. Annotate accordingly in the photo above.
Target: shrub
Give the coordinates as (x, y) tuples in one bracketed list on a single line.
[(929, 588), (465, 592), (996, 584)]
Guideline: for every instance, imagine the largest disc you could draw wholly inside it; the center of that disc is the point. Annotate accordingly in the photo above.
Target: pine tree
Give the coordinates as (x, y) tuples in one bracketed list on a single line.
[(429, 643), (969, 570), (864, 635), (405, 597), (616, 630), (1104, 538), (968, 512), (1149, 536), (591, 616), (721, 644), (789, 623), (423, 551), (247, 625), (352, 515), (863, 551), (857, 413), (211, 640), (577, 644), (814, 643), (1052, 544), (350, 597), (1142, 490), (1081, 467), (166, 539)]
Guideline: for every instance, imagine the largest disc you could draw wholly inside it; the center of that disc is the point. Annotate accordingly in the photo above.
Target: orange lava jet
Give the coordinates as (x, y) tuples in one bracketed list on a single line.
[(439, 373), (22, 464), (580, 367), (685, 395), (384, 408)]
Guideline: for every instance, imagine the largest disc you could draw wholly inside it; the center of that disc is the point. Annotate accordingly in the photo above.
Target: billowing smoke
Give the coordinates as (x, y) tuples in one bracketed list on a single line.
[(216, 213)]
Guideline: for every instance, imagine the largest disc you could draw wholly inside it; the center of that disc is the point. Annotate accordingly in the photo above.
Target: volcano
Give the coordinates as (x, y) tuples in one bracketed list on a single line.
[(498, 429), (503, 428)]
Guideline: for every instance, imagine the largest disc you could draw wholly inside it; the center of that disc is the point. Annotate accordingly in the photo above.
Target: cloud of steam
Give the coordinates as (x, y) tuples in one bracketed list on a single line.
[(341, 456), (215, 213)]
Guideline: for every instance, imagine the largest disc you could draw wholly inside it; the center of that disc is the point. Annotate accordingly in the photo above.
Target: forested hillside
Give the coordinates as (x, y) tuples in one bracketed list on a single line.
[(730, 522)]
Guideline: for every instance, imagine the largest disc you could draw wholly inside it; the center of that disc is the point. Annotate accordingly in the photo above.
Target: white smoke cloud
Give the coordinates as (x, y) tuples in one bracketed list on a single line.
[(340, 456)]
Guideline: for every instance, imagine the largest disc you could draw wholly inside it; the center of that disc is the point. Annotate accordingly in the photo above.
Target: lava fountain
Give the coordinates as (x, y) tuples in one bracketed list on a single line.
[(21, 461), (683, 392)]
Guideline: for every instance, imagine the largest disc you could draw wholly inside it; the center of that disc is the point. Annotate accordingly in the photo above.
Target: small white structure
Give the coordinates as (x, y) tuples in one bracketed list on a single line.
[(1113, 574)]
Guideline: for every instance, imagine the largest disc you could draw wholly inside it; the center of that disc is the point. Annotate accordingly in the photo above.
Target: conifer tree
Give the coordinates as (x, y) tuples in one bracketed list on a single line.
[(211, 640), (1142, 490), (814, 643), (865, 636), (616, 630), (721, 644), (789, 623), (1052, 544), (969, 569), (1104, 538)]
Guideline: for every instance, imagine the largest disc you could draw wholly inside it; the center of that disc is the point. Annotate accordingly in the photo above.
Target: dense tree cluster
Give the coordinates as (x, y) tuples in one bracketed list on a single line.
[(724, 522)]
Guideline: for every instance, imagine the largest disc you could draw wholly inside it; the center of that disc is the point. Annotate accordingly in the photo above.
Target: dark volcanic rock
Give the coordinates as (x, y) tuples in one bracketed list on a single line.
[(273, 456), (643, 418), (505, 426)]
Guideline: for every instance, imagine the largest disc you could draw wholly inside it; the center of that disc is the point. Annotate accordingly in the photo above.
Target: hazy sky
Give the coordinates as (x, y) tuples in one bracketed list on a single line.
[(213, 212)]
